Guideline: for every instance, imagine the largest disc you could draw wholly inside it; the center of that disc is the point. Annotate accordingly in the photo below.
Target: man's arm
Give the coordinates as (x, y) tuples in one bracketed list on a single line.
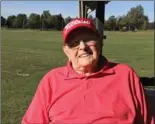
[(37, 112), (145, 115)]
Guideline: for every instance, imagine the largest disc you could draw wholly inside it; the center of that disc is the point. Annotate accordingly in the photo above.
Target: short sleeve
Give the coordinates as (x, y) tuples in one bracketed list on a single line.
[(144, 115), (37, 112)]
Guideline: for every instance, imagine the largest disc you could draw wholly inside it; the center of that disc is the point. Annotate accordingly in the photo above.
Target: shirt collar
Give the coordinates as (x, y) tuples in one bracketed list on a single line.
[(106, 69)]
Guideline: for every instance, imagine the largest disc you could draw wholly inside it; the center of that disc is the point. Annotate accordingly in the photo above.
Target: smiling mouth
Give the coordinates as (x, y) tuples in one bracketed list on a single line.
[(84, 55)]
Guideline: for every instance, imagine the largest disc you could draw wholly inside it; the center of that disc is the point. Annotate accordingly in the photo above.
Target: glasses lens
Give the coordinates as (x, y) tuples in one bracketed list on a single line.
[(87, 42), (74, 44)]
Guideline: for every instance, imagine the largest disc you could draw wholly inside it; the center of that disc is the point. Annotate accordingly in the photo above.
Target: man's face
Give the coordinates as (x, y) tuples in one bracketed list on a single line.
[(83, 48)]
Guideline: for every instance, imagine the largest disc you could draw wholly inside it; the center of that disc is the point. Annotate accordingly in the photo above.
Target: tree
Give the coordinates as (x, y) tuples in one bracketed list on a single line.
[(49, 22), (58, 22), (3, 21), (10, 21), (146, 22), (123, 22), (46, 20), (118, 19), (21, 20), (67, 20), (106, 25), (15, 23), (136, 17), (34, 21), (112, 22)]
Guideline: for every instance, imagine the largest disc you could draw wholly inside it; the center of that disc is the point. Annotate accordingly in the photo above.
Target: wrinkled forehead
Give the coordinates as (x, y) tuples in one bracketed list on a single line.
[(82, 34)]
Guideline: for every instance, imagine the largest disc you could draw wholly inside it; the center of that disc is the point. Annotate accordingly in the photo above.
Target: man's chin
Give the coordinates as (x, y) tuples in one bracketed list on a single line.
[(86, 64)]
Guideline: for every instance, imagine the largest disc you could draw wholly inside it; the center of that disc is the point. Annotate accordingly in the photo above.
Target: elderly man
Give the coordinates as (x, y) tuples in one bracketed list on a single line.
[(89, 89)]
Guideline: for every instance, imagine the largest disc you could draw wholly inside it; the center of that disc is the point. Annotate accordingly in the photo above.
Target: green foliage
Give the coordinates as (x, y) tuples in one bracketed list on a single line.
[(59, 22), (34, 21), (137, 18), (112, 23), (52, 21), (134, 19), (15, 23), (3, 21), (21, 20), (46, 20), (123, 21), (10, 21), (67, 20)]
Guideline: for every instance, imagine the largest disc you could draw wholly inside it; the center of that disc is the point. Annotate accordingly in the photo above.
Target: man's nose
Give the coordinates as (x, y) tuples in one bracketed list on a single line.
[(82, 45)]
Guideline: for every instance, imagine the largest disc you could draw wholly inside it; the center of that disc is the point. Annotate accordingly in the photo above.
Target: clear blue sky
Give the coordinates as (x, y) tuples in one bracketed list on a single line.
[(70, 8)]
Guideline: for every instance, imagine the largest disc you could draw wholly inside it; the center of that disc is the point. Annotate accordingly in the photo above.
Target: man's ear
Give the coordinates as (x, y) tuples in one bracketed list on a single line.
[(66, 51)]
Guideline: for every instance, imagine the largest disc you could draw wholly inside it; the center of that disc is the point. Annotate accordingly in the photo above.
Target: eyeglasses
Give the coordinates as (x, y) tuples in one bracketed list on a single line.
[(76, 44)]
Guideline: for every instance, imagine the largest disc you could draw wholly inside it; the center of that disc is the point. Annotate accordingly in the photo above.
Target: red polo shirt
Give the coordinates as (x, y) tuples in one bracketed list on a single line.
[(113, 95)]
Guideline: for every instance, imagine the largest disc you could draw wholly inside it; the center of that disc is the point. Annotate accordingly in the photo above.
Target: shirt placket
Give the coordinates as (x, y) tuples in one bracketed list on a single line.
[(86, 86)]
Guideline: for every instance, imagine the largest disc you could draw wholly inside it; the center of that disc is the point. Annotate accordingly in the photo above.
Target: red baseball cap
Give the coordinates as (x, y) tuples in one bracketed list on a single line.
[(76, 24)]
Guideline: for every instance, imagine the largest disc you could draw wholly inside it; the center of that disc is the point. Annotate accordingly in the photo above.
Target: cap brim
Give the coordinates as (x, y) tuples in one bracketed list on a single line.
[(76, 28)]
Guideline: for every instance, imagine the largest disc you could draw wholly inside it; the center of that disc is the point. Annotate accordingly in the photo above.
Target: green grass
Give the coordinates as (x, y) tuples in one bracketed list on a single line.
[(35, 53)]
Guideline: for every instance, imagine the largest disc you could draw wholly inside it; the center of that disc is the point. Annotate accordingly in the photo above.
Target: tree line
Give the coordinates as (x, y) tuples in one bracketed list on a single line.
[(45, 21), (135, 19)]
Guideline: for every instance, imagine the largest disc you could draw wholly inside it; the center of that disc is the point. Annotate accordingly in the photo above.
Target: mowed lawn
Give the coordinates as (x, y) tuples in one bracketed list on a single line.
[(27, 55)]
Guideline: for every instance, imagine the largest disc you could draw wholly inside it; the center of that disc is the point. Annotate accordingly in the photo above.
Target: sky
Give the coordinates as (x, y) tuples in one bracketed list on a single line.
[(71, 8)]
